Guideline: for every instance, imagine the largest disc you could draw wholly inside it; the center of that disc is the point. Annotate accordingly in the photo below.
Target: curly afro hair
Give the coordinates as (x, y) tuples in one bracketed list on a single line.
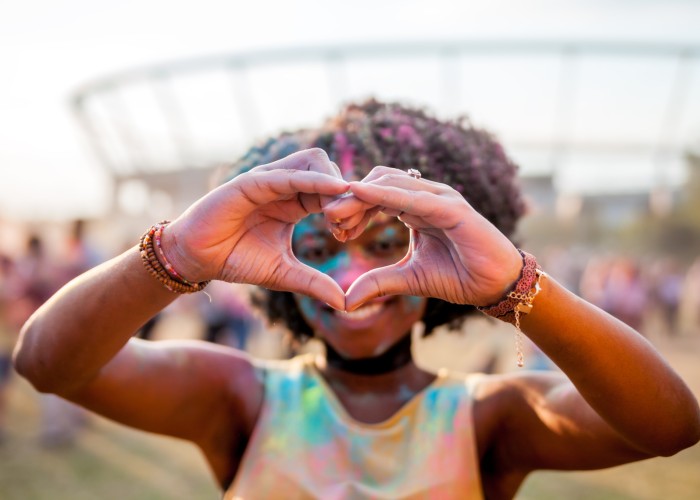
[(374, 133)]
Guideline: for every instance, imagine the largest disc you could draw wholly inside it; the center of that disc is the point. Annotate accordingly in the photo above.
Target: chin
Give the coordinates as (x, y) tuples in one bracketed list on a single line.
[(367, 331)]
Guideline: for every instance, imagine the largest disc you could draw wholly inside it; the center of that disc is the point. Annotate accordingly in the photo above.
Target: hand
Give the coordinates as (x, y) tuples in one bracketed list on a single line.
[(455, 254), (242, 231)]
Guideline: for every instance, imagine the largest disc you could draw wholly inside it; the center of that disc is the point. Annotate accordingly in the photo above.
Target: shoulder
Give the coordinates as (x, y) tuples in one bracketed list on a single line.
[(499, 394), (499, 399)]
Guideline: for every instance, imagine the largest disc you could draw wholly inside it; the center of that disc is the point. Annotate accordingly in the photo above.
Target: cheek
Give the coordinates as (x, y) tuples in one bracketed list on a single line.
[(332, 264), (308, 308), (311, 310), (413, 306)]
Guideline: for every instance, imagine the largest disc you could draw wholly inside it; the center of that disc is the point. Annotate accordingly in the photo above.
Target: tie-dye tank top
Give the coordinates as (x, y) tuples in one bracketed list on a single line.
[(306, 445)]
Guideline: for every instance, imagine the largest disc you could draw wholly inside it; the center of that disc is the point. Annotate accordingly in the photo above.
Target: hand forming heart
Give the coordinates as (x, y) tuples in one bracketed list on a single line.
[(242, 231), (455, 254)]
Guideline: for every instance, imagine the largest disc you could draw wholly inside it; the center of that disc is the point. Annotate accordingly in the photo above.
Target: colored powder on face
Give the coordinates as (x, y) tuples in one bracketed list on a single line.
[(414, 301), (387, 234), (309, 226), (308, 308)]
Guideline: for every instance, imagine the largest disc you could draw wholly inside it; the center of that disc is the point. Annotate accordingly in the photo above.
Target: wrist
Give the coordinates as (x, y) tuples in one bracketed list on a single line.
[(174, 254), (159, 265), (519, 300)]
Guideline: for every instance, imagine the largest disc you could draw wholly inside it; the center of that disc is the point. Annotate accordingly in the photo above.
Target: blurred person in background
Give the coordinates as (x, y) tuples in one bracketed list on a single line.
[(80, 254), (616, 285), (357, 255), (30, 280), (8, 337), (626, 292), (665, 284), (689, 306)]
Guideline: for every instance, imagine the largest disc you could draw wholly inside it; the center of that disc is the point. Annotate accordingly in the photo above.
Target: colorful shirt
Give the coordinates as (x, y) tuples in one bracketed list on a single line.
[(306, 445)]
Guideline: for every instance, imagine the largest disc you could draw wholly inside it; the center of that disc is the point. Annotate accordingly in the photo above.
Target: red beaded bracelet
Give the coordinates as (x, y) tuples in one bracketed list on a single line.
[(158, 265), (519, 300)]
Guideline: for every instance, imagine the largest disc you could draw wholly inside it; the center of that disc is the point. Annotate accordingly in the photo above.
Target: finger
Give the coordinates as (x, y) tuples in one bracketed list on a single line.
[(263, 187), (311, 202), (392, 212), (359, 228), (389, 280), (437, 210), (345, 207), (300, 278), (325, 200), (312, 160), (339, 234), (353, 220), (400, 178), (348, 213), (380, 171)]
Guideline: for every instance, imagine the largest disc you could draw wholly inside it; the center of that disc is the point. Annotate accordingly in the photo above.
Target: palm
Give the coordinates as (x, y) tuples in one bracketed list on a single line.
[(260, 251), (241, 232)]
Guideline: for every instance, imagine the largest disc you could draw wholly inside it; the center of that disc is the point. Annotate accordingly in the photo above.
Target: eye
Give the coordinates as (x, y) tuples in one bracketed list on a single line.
[(388, 247), (315, 253)]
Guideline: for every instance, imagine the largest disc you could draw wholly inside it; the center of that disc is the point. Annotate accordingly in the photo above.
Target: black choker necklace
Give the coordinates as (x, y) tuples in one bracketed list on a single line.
[(394, 358)]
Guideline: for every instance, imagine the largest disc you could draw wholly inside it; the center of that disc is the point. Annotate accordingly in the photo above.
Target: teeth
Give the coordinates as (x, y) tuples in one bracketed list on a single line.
[(361, 313)]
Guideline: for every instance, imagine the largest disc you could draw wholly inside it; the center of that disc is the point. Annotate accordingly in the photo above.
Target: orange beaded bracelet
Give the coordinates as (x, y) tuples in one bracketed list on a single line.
[(157, 264)]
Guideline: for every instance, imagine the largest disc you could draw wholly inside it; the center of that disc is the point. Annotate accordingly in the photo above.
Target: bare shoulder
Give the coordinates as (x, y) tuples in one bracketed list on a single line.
[(497, 395)]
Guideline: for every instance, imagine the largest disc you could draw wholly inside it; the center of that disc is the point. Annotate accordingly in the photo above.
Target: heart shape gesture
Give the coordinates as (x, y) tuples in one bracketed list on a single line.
[(455, 254), (242, 232)]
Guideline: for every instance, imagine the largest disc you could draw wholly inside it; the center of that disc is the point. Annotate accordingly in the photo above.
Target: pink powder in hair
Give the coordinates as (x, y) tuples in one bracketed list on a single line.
[(344, 153)]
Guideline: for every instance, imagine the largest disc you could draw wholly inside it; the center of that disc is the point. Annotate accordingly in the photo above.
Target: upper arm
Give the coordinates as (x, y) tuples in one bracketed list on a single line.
[(186, 389), (540, 421)]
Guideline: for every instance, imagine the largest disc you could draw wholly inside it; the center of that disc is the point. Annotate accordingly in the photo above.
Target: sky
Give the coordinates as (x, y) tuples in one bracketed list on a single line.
[(48, 49)]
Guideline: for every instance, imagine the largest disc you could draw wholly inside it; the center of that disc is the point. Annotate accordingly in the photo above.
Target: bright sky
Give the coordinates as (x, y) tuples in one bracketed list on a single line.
[(49, 48)]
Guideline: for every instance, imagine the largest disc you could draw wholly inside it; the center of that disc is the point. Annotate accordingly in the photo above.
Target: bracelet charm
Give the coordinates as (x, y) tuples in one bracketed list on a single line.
[(518, 301)]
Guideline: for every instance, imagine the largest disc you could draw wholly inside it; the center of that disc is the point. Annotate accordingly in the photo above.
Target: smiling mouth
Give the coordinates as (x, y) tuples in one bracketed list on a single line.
[(361, 313)]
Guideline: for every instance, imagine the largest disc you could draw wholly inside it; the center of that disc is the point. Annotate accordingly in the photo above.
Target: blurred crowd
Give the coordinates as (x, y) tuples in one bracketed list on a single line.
[(659, 296)]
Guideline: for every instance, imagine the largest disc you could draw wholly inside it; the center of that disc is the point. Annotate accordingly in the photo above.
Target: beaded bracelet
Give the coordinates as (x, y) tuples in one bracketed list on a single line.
[(159, 267), (519, 300)]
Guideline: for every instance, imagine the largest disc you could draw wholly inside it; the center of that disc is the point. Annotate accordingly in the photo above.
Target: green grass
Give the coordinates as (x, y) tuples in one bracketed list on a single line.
[(108, 461)]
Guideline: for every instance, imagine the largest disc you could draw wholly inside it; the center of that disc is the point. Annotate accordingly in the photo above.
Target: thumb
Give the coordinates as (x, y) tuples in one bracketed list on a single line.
[(300, 278), (388, 280)]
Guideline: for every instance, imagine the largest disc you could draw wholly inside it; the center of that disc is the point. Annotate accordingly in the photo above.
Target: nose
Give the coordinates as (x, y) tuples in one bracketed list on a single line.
[(350, 265)]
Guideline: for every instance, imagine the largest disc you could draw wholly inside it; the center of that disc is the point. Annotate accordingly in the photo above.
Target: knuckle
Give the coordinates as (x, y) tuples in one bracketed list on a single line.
[(317, 154), (379, 171)]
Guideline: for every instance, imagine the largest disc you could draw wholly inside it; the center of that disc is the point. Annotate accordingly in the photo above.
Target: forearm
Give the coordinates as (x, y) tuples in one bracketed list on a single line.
[(68, 339), (618, 372)]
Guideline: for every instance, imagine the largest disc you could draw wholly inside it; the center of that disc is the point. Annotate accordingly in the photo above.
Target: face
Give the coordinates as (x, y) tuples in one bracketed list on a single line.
[(380, 323)]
